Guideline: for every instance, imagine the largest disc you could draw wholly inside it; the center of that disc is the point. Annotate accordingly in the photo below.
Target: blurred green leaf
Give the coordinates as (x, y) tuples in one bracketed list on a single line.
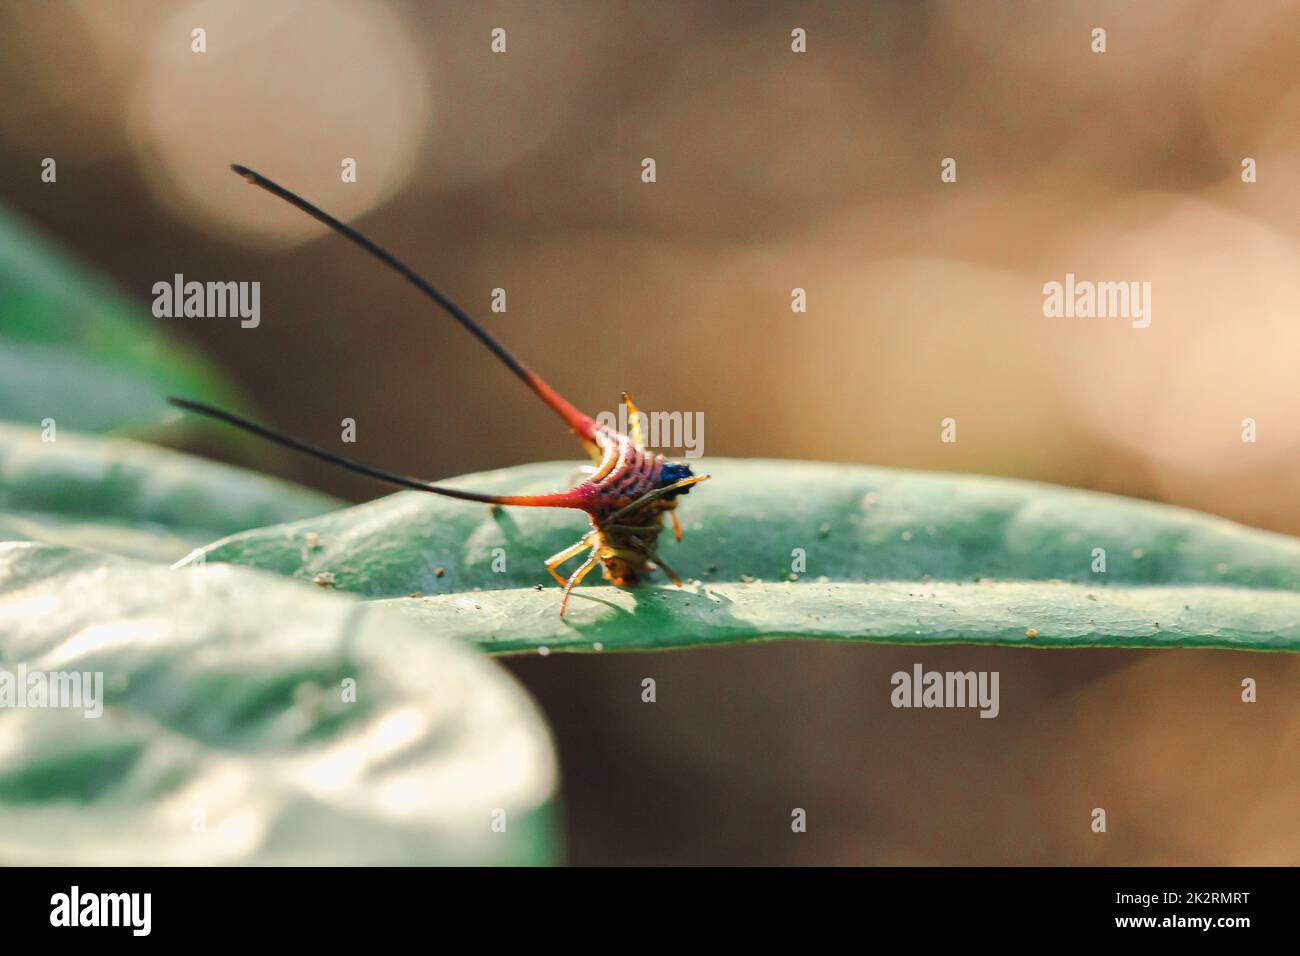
[(890, 556), (74, 349), (225, 737), (133, 499)]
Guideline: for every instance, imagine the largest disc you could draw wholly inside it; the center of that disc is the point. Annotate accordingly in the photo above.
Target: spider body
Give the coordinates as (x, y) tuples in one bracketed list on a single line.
[(625, 497)]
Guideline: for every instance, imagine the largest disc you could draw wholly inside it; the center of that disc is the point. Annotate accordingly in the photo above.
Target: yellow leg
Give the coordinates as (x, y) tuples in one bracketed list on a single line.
[(633, 423), (663, 566), (576, 577), (557, 559), (650, 496), (677, 525), (627, 554)]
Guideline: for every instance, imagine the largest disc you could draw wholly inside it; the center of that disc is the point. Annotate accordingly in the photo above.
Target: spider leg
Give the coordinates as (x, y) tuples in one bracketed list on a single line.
[(639, 554), (576, 577), (663, 566), (677, 525), (656, 493), (633, 423), (555, 560)]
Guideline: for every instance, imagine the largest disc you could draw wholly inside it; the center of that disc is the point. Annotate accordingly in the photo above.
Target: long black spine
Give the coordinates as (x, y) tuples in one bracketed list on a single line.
[(297, 444), (390, 260)]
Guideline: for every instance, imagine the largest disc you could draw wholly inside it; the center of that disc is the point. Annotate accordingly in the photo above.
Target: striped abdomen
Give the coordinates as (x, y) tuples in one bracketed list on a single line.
[(625, 473)]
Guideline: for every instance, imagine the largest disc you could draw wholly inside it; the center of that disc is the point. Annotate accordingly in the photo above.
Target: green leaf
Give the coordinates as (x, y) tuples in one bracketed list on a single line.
[(890, 556), (73, 349), (129, 498), (225, 738), (1003, 612)]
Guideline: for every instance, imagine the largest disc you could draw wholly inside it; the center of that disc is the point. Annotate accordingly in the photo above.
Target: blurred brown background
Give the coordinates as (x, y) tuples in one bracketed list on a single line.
[(775, 170)]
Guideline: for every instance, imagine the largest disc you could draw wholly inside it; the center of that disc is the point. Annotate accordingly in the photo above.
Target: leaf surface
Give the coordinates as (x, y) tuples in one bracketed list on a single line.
[(74, 349), (225, 736), (885, 555), (133, 499)]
